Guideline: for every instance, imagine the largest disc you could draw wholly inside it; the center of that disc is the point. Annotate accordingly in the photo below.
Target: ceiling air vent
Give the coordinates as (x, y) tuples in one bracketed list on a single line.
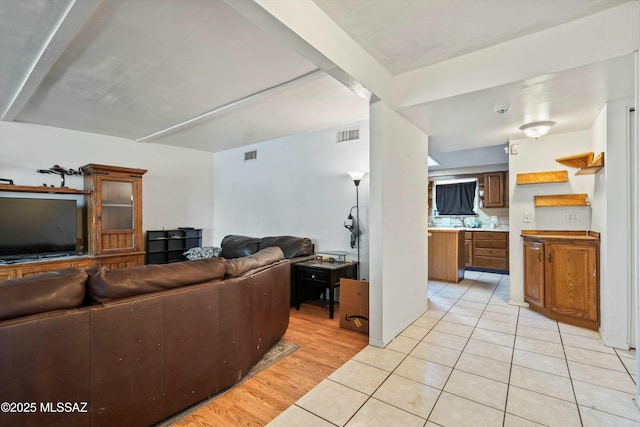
[(348, 135), (251, 155)]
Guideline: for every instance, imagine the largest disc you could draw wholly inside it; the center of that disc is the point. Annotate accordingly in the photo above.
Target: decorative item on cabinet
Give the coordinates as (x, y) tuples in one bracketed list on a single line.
[(58, 170)]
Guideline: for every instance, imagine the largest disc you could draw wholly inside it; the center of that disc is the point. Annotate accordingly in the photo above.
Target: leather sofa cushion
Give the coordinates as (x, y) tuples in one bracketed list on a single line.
[(238, 266), (234, 246), (49, 291), (109, 284), (292, 247)]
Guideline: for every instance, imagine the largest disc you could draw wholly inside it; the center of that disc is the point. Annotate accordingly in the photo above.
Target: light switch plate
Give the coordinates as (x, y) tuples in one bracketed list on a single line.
[(526, 216)]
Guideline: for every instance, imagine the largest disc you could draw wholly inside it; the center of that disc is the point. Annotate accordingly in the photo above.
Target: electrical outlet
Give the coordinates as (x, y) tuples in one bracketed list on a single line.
[(573, 217), (526, 216)]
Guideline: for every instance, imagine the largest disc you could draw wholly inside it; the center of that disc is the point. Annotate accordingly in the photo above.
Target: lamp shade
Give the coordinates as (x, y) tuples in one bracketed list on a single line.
[(536, 129), (357, 175)]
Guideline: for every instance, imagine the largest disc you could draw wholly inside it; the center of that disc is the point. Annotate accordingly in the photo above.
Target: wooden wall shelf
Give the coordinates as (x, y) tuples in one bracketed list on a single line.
[(586, 163), (42, 189), (542, 177), (561, 200)]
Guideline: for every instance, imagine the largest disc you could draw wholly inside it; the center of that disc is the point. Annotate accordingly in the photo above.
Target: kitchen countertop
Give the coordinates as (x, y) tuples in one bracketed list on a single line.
[(499, 229)]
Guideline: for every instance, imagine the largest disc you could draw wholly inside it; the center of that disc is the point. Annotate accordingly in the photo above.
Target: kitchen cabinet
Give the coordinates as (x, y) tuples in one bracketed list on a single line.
[(534, 273), (491, 250), (446, 254), (561, 272), (494, 190), (468, 249)]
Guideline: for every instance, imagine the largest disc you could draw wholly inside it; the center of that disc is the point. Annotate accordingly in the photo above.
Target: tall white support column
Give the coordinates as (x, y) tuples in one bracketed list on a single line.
[(398, 218)]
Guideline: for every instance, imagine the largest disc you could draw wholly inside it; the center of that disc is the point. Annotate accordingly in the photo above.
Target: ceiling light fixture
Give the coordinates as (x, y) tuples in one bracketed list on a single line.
[(537, 129)]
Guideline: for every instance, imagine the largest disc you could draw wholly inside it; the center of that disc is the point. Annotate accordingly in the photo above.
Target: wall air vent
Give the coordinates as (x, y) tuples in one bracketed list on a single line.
[(347, 135), (251, 155)]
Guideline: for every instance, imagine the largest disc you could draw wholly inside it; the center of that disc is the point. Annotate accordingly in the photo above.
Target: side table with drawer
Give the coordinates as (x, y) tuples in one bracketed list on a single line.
[(325, 275)]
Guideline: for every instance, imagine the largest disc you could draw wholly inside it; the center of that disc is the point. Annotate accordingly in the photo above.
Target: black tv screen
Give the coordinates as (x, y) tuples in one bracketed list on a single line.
[(35, 227)]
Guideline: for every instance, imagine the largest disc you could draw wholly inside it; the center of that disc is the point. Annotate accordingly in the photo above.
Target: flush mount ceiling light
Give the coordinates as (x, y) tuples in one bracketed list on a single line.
[(537, 129)]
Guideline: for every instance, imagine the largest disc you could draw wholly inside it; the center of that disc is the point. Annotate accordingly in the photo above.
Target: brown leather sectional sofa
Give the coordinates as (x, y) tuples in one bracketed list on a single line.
[(295, 249), (131, 347)]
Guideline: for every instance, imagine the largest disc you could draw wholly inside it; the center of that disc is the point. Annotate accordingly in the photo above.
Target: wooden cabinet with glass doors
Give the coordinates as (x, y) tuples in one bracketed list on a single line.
[(115, 215)]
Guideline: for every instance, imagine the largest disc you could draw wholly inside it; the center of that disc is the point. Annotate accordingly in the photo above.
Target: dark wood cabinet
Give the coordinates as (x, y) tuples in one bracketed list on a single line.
[(494, 190), (561, 276)]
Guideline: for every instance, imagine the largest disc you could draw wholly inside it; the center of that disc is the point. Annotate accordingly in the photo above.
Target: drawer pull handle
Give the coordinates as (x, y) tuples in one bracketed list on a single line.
[(549, 257), (539, 256), (313, 276)]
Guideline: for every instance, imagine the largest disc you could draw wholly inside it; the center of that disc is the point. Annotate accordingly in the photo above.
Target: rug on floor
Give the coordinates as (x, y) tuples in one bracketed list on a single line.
[(279, 351)]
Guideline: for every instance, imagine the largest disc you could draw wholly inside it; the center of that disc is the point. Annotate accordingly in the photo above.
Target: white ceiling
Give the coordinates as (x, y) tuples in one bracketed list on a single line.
[(405, 35), (197, 74)]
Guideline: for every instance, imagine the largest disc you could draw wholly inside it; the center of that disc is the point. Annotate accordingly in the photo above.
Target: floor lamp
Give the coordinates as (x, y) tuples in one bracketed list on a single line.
[(357, 176)]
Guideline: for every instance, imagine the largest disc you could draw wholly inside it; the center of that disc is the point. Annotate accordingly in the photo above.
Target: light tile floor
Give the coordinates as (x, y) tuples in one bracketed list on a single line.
[(474, 360)]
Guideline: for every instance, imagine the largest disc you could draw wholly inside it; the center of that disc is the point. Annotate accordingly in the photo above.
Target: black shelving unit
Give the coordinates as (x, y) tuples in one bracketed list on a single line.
[(165, 246)]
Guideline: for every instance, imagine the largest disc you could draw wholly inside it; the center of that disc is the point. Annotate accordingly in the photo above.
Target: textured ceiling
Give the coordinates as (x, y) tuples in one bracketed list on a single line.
[(198, 74), (405, 35)]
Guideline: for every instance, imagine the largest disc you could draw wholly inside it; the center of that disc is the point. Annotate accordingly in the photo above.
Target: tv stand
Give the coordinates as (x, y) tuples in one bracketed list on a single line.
[(30, 267)]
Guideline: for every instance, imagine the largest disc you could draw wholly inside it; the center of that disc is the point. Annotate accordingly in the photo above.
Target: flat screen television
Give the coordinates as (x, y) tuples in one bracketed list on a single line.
[(37, 227)]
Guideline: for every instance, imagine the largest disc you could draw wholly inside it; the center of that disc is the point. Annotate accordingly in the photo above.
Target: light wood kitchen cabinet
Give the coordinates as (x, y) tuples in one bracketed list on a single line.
[(446, 255), (491, 250), (468, 248), (534, 273), (562, 275), (115, 214), (494, 190), (571, 280)]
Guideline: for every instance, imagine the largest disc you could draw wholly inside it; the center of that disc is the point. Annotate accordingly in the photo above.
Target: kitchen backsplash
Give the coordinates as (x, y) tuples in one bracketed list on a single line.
[(484, 217)]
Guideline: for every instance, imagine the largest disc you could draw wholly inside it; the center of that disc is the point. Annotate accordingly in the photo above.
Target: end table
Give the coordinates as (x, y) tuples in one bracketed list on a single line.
[(325, 275)]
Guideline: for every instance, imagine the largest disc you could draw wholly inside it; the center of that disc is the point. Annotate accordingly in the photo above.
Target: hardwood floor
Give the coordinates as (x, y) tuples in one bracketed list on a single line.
[(324, 347)]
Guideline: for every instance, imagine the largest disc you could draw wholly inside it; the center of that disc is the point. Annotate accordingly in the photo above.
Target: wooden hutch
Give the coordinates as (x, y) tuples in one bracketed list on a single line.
[(113, 198)]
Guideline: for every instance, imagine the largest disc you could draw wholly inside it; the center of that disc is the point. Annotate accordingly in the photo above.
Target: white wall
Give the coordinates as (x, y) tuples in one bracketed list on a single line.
[(297, 186), (611, 219), (399, 205), (539, 156), (177, 189)]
